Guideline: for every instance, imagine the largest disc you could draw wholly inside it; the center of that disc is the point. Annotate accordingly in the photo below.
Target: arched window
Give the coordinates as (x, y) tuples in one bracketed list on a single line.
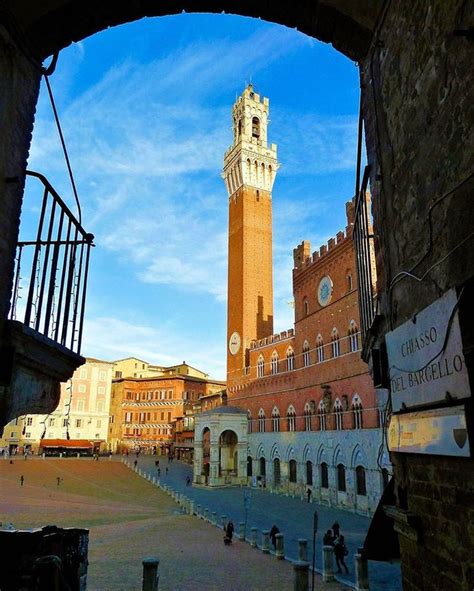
[(338, 414), (291, 418), (274, 362), (260, 367), (341, 478), (306, 354), (335, 343), (249, 422), (249, 465), (276, 472), (308, 417), (309, 473), (320, 348), (324, 475), (357, 412), (275, 419), (305, 307), (353, 337), (255, 127), (361, 488), (261, 421), (322, 416), (293, 470), (290, 359)]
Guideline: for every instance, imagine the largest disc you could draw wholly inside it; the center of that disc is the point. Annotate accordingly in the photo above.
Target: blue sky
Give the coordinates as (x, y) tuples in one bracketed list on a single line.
[(146, 112)]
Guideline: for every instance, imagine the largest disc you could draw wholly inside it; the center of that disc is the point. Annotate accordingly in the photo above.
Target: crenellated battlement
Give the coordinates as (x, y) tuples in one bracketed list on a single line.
[(274, 338), (302, 256)]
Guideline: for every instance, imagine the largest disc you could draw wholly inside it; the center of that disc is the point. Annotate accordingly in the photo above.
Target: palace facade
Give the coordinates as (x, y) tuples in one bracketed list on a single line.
[(314, 417)]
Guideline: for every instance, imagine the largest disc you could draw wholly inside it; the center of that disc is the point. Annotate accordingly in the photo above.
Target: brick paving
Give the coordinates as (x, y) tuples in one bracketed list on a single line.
[(293, 516), (130, 519)]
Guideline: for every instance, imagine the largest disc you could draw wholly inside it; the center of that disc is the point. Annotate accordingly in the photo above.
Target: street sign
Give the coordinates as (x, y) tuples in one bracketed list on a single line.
[(425, 356)]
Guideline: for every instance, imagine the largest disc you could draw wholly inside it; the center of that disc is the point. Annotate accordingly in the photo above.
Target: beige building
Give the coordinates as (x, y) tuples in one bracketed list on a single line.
[(82, 413), (132, 367)]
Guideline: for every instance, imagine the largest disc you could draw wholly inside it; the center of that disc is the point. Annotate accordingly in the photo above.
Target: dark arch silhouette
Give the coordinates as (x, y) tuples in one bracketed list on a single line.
[(348, 26)]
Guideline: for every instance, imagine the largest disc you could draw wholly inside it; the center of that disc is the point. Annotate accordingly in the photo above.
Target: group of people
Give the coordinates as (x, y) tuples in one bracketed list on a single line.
[(333, 537)]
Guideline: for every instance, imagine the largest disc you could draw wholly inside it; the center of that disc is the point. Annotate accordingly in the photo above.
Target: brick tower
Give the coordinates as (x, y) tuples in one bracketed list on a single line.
[(250, 167)]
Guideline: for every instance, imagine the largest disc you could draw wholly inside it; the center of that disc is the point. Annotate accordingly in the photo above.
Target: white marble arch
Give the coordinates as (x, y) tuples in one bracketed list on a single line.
[(228, 455)]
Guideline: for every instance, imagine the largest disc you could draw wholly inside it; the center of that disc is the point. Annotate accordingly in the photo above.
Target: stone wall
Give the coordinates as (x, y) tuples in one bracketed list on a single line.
[(418, 110)]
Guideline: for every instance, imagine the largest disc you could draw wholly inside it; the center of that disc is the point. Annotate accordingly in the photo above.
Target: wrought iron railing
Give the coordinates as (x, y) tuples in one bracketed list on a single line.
[(364, 246), (56, 286)]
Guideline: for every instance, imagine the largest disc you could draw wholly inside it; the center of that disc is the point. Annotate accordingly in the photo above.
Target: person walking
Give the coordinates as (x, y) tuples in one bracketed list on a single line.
[(159, 472), (188, 481), (58, 479), (308, 494), (229, 532), (340, 551), (167, 470), (22, 480), (135, 462), (335, 529), (273, 532)]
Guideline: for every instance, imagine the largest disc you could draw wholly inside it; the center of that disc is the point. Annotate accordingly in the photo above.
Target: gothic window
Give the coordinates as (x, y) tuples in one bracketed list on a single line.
[(255, 127), (276, 472), (335, 343), (308, 417), (262, 467), (260, 367), (361, 488), (240, 127), (353, 337), (274, 362), (322, 416), (291, 418), (309, 473), (338, 414), (293, 470), (341, 478), (249, 421), (324, 475), (249, 465), (306, 354), (320, 348), (357, 412), (261, 421), (275, 419), (290, 359)]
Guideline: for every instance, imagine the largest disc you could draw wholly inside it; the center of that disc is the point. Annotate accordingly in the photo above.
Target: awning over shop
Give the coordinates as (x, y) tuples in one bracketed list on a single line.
[(66, 443)]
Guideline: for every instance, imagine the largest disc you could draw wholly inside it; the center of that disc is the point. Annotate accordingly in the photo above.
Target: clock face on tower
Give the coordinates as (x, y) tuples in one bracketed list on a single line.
[(325, 290), (234, 343)]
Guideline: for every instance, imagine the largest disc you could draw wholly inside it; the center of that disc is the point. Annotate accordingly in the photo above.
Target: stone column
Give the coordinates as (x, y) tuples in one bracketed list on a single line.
[(198, 510), (191, 507), (241, 530), (301, 570), (266, 541), (253, 537), (242, 460), (361, 570), (279, 547), (197, 464), (214, 518), (206, 514), (328, 564), (150, 574), (303, 549)]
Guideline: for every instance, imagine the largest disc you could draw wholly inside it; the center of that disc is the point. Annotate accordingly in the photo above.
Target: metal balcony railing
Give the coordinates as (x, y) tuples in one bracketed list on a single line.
[(56, 285), (364, 246)]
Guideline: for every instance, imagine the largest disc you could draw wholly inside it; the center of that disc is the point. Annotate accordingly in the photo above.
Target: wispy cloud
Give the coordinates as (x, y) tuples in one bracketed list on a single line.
[(125, 338)]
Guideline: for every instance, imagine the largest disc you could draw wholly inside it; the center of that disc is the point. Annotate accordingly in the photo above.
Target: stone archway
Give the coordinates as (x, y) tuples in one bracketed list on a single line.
[(228, 462)]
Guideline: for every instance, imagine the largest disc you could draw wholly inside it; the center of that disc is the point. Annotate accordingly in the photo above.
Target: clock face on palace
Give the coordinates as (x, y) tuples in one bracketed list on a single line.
[(325, 290), (234, 343)]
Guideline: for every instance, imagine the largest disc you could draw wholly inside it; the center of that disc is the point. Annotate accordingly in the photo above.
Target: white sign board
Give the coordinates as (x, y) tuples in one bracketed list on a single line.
[(425, 358), (439, 431)]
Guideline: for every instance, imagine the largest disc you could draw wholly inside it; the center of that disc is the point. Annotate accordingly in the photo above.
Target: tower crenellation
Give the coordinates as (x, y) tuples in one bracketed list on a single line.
[(250, 161)]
